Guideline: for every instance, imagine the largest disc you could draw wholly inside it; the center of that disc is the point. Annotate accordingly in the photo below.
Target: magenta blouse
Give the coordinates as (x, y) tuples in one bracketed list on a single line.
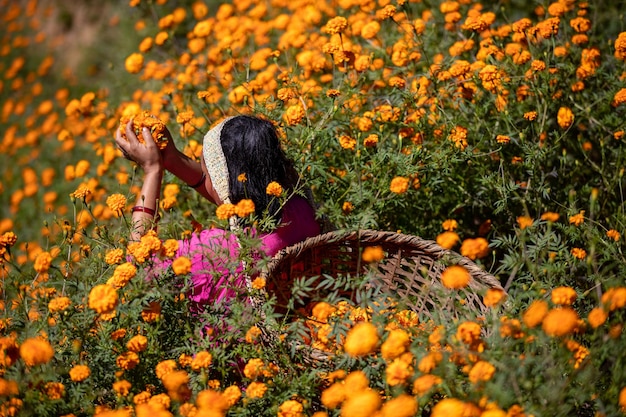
[(213, 253)]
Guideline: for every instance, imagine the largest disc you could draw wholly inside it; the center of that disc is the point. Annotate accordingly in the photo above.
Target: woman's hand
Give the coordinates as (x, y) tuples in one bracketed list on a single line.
[(147, 155)]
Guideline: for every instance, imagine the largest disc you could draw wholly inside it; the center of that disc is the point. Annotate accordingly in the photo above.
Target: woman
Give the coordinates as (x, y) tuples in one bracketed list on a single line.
[(238, 145)]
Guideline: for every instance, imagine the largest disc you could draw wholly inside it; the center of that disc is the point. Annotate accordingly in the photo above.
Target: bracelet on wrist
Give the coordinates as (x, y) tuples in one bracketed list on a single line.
[(199, 183), (144, 209)]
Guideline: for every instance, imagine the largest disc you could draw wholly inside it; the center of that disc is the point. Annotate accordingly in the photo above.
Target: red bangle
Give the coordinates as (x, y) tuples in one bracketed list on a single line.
[(144, 210)]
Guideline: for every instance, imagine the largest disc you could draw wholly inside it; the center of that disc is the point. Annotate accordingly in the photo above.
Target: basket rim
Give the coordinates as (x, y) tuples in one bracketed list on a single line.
[(370, 236)]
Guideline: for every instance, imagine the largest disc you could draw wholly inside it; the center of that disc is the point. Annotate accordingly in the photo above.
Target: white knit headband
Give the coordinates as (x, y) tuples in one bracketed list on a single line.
[(215, 161)]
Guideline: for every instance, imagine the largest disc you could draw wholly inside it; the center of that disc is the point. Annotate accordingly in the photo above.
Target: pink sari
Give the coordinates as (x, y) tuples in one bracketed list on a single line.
[(214, 253)]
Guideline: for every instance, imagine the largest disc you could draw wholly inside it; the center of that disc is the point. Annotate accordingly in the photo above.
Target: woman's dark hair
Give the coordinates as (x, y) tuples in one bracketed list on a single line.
[(251, 146)]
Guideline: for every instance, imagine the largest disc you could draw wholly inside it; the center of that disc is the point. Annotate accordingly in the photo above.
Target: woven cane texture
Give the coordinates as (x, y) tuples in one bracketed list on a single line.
[(409, 273)]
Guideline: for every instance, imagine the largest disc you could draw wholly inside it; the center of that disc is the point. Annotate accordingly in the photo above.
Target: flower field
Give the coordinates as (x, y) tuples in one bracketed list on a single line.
[(496, 129)]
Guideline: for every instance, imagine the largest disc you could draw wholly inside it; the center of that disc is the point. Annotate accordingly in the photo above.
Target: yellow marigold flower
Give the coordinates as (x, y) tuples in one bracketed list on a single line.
[(362, 339), (137, 343), (127, 360), (42, 262), (613, 234), (577, 219), (225, 211), (347, 142), (201, 360), (103, 298), (493, 297), (54, 390), (449, 407), (395, 345), (455, 277), (425, 383), (535, 313), (79, 373), (116, 202), (181, 265), (397, 372), (565, 117), (59, 304), (597, 317), (114, 256), (244, 208), (361, 403), (563, 296), (335, 25), (399, 185), (475, 248), (560, 322), (579, 253), (370, 29), (134, 63), (448, 240), (481, 371), (274, 189), (373, 254), (122, 387), (256, 390), (36, 351), (614, 298), (403, 405)]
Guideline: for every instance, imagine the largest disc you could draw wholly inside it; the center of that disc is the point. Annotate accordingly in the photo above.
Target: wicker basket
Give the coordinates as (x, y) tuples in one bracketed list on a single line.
[(409, 273)]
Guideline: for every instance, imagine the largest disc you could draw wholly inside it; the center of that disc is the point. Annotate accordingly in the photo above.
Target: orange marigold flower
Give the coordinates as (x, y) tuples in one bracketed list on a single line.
[(622, 399), (449, 407), (225, 211), (54, 390), (565, 117), (481, 371), (373, 254), (397, 372), (122, 275), (347, 142), (152, 312), (524, 222), (371, 140), (396, 344), (403, 405), (560, 322), (468, 332), (116, 202), (127, 360), (597, 317), (181, 265), (455, 277), (614, 298), (563, 296), (613, 234), (619, 98), (244, 208), (362, 339), (134, 63), (8, 239), (577, 219), (535, 313), (79, 373), (258, 283), (42, 262), (176, 384), (122, 387), (137, 343), (370, 29), (114, 256), (256, 390), (399, 185), (274, 189), (579, 253), (59, 304), (291, 408), (103, 298), (201, 360), (252, 334), (493, 297), (531, 115), (425, 383), (550, 216), (361, 403), (294, 114), (448, 239), (475, 248), (335, 25), (36, 351), (429, 362), (620, 46)]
